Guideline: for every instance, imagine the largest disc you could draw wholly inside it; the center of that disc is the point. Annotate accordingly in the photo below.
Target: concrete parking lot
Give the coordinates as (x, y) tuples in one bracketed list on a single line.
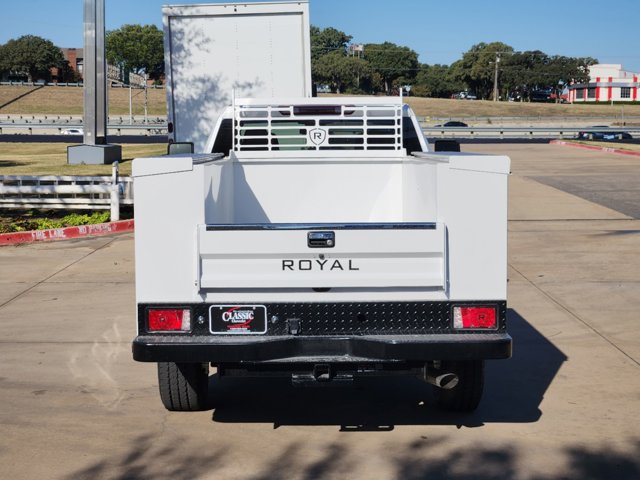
[(74, 405)]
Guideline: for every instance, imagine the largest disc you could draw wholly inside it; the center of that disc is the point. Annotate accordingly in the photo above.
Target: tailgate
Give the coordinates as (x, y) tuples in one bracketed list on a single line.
[(261, 256)]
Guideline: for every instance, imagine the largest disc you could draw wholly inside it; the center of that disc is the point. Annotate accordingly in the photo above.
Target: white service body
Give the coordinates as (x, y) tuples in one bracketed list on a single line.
[(462, 257)]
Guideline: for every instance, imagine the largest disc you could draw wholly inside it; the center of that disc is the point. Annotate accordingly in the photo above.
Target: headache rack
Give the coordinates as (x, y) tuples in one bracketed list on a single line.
[(317, 124)]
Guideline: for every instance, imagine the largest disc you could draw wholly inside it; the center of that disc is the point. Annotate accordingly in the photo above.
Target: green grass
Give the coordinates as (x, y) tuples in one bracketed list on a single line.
[(51, 159)]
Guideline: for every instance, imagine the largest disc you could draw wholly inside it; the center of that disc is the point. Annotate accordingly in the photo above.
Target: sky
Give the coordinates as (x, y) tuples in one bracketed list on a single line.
[(439, 31)]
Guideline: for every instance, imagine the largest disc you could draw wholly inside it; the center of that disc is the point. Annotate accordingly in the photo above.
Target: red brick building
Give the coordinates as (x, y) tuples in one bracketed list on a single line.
[(75, 57)]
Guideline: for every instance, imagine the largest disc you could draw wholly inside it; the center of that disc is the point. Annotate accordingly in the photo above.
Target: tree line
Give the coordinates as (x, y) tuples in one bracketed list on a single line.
[(134, 48), (386, 67), (33, 57), (336, 62)]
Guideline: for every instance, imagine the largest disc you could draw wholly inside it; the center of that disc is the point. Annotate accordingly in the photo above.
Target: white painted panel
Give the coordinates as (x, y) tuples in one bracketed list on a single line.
[(473, 205), (260, 50), (360, 258), (318, 192), (464, 259)]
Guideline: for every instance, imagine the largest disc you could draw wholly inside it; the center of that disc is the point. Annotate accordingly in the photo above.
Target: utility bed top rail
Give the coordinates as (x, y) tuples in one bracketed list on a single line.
[(318, 226), (318, 124)]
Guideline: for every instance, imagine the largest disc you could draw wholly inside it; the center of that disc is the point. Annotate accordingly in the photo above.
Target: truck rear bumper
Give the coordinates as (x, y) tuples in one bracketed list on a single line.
[(372, 348)]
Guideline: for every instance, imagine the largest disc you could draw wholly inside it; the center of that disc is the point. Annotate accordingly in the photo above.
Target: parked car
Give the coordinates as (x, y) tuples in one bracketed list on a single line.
[(467, 96), (604, 134), (543, 95), (72, 131), (452, 123)]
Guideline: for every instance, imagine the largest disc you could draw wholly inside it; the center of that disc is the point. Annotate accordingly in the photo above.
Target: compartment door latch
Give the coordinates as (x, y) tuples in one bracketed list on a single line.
[(321, 239)]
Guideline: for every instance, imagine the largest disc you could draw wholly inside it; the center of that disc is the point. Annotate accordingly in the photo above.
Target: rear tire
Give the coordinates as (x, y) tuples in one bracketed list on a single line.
[(465, 396), (183, 386)]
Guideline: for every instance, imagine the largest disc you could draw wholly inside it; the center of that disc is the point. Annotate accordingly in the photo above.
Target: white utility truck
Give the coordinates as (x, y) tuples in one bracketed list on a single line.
[(314, 237)]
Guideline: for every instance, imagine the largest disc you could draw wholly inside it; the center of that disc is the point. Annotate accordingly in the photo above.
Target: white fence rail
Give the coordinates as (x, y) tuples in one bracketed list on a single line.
[(67, 192)]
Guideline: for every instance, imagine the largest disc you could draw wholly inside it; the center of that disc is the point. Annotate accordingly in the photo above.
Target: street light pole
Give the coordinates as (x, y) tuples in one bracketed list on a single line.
[(146, 98), (95, 150), (495, 79), (94, 74)]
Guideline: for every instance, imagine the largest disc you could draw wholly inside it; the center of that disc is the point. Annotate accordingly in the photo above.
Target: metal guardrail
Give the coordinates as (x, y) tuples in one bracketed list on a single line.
[(559, 132), (30, 128), (67, 192), (592, 120), (520, 132), (77, 119), (467, 132), (64, 84)]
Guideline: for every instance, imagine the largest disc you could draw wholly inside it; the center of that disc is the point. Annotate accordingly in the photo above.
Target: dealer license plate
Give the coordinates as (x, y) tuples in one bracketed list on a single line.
[(238, 319)]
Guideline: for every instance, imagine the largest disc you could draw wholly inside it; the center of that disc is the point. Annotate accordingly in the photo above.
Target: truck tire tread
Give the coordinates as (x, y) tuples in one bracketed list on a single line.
[(183, 386)]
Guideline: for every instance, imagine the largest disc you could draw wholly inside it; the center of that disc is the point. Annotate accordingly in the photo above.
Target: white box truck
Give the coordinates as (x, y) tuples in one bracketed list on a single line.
[(257, 50), (318, 238)]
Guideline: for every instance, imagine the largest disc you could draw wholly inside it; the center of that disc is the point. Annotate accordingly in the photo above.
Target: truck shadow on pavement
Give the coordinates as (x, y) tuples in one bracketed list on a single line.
[(514, 390)]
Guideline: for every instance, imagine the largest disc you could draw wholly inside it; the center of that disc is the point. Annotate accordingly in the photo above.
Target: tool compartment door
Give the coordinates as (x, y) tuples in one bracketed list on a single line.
[(268, 256)]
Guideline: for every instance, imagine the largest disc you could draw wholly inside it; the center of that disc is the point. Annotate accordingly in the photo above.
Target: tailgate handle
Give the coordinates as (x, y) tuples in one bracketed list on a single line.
[(321, 239)]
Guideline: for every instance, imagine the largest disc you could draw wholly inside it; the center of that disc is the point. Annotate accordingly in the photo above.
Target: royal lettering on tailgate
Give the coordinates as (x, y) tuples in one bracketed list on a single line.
[(318, 265)]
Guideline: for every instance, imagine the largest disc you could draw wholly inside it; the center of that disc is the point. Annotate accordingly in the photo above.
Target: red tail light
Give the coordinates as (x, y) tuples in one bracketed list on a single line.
[(474, 317), (169, 320)]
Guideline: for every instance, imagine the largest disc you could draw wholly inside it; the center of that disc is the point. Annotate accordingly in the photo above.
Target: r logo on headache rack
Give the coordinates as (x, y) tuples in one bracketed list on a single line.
[(318, 136)]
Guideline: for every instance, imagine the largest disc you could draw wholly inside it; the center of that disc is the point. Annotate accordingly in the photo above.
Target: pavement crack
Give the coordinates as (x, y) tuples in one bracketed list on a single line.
[(56, 273), (575, 315)]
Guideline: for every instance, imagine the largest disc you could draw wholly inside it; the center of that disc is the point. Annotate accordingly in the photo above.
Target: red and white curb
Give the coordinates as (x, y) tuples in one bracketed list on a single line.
[(67, 233), (593, 147)]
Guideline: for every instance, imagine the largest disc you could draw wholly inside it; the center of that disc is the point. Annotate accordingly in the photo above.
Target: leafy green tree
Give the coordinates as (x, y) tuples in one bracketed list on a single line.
[(325, 41), (391, 61), (136, 48), (435, 81), (3, 68), (67, 74), (329, 61), (30, 55), (524, 72), (567, 69), (342, 72), (476, 69)]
